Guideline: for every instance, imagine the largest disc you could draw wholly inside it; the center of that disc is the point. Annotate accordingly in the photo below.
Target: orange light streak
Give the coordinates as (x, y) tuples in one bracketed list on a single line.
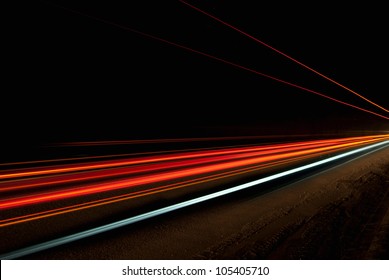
[(216, 156), (119, 198), (169, 175), (40, 171)]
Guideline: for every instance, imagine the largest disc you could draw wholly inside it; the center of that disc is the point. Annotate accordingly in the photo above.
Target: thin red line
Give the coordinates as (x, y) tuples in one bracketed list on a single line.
[(222, 60), (283, 54)]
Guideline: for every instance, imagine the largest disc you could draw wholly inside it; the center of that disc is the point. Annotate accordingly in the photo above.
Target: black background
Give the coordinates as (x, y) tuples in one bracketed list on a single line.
[(70, 76)]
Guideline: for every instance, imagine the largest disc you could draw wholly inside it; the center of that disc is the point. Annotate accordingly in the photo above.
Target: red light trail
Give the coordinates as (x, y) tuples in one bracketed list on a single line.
[(374, 145), (152, 173), (41, 189)]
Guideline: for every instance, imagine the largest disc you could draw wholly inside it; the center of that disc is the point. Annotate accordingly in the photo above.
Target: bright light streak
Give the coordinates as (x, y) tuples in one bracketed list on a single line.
[(164, 210), (164, 188), (159, 163), (18, 173), (256, 158)]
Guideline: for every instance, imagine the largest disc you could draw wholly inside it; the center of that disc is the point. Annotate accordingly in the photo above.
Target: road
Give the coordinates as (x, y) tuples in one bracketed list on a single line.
[(279, 220)]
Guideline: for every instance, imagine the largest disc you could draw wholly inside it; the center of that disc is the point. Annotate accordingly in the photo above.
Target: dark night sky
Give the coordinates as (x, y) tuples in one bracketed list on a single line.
[(70, 77)]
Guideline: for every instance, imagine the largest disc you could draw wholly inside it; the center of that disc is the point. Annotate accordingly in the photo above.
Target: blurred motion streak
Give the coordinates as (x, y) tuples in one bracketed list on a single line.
[(141, 176), (109, 200)]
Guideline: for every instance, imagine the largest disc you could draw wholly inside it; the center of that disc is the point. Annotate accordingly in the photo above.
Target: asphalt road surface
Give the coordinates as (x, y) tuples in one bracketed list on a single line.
[(335, 212)]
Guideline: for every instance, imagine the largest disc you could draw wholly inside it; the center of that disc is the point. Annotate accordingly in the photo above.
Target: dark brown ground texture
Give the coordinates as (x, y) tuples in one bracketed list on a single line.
[(341, 213)]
